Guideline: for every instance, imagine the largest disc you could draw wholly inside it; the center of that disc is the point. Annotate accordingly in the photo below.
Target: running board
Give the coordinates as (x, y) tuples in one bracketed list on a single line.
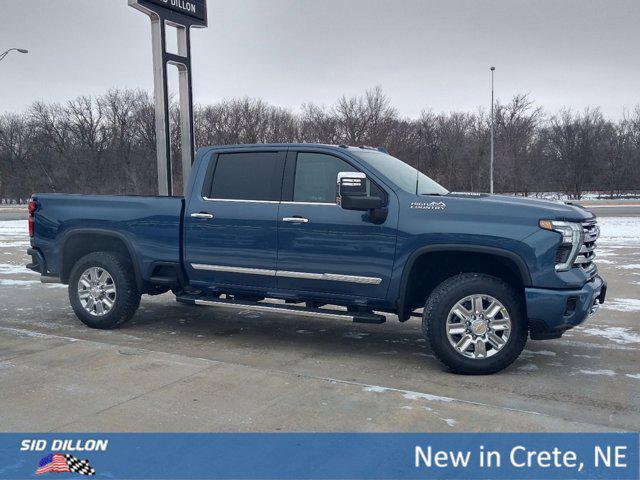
[(357, 317)]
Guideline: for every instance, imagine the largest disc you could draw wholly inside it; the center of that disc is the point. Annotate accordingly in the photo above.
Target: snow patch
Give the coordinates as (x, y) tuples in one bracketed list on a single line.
[(450, 421), (546, 353), (14, 228), (376, 389), (16, 283), (6, 365), (619, 230), (634, 375), (425, 396), (355, 335), (420, 354), (618, 335), (14, 244), (408, 394), (9, 269), (529, 367), (606, 372), (622, 304), (630, 266)]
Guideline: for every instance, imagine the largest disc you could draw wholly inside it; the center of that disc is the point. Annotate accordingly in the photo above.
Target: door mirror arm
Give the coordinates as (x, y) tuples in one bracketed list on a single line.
[(377, 215), (353, 195)]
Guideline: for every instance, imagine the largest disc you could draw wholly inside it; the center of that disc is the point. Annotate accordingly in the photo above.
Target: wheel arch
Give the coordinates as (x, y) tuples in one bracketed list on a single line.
[(80, 241), (508, 259)]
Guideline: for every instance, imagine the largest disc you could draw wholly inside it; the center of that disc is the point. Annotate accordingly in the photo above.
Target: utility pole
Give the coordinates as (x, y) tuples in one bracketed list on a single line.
[(492, 134)]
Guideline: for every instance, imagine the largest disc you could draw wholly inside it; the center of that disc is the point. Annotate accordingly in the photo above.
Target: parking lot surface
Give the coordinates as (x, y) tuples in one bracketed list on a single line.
[(186, 368)]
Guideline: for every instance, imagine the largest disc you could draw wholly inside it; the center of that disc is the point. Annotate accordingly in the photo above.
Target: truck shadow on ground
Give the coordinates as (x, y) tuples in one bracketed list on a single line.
[(244, 329)]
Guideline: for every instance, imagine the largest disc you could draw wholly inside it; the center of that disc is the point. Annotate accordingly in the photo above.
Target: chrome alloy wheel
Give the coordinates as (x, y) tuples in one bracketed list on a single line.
[(478, 326), (97, 291)]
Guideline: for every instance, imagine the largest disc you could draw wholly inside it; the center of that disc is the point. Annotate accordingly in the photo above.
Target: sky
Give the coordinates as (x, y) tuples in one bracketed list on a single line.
[(425, 54)]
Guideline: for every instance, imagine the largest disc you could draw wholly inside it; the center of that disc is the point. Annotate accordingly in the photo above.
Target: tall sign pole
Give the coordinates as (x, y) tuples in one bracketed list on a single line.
[(492, 134), (181, 14)]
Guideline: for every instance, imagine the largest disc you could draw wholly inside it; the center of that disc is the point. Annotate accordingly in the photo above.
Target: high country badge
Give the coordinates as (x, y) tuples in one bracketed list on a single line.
[(428, 206)]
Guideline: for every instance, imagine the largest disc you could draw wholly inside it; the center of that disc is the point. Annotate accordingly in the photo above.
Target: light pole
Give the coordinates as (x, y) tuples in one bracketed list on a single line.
[(492, 132), (19, 50)]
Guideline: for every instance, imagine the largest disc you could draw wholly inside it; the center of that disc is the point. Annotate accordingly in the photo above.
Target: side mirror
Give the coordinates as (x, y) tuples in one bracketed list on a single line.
[(352, 192)]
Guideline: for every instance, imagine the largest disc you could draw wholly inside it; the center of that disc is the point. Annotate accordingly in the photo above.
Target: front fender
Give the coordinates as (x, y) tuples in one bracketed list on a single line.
[(401, 278)]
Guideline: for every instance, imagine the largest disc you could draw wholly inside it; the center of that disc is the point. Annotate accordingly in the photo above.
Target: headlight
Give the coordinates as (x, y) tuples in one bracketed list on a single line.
[(572, 236)]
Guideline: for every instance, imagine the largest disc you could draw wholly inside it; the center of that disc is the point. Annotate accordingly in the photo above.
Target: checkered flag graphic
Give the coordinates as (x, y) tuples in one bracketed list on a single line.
[(79, 466)]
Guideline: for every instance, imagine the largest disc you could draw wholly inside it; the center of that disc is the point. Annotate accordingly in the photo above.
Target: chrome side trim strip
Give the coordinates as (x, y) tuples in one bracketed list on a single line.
[(333, 277), (224, 268), (267, 308)]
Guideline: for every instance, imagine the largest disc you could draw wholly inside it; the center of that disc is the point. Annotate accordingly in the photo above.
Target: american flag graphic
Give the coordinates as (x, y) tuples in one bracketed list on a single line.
[(62, 463)]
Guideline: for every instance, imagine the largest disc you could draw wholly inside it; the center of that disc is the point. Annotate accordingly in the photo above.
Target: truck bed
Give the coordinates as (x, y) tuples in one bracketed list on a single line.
[(149, 226)]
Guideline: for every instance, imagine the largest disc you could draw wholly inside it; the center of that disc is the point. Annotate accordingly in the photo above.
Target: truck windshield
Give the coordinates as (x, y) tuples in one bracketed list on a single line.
[(405, 176)]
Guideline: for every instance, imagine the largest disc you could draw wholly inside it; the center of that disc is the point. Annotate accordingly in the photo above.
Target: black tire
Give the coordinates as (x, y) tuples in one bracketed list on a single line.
[(127, 299), (444, 298)]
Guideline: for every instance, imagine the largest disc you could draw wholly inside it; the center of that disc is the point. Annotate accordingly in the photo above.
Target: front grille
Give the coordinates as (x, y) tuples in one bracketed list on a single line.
[(586, 254)]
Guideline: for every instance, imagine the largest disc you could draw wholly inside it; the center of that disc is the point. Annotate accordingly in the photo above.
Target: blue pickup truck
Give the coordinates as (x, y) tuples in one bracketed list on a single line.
[(330, 232)]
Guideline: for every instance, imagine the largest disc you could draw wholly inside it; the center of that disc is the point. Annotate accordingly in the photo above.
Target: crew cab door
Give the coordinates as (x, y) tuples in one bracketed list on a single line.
[(322, 247), (230, 225)]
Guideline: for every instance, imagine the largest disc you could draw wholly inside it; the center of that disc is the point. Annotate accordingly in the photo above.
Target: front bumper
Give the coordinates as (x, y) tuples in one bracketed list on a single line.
[(552, 312)]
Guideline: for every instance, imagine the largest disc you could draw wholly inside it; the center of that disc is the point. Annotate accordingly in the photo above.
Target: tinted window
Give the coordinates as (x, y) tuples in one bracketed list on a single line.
[(247, 176), (316, 177)]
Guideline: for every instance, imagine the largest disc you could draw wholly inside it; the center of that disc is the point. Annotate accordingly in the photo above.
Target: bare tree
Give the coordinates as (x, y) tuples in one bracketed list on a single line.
[(575, 146), (516, 127), (107, 144)]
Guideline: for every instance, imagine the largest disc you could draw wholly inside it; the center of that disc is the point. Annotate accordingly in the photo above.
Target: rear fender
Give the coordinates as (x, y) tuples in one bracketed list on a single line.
[(68, 235)]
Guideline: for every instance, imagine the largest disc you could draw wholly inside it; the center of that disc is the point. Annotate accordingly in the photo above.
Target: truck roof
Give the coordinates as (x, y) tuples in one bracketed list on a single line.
[(295, 145)]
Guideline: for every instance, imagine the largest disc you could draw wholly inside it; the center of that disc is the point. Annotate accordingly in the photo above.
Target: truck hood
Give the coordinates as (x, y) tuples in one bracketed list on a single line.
[(509, 205)]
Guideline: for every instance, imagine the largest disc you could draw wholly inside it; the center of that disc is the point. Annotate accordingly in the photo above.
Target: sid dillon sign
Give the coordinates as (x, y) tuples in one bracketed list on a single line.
[(193, 8)]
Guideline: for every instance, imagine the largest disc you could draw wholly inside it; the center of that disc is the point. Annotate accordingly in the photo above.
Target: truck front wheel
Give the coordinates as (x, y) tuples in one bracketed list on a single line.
[(475, 324), (102, 290)]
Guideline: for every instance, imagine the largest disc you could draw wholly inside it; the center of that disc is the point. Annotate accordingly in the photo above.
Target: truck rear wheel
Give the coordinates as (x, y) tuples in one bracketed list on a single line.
[(102, 290), (475, 324)]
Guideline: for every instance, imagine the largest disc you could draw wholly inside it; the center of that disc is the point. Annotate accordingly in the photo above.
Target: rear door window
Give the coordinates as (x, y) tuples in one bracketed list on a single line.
[(247, 176)]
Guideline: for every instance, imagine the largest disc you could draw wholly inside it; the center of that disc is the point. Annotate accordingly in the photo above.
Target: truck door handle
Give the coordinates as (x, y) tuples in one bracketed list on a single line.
[(202, 215), (295, 219)]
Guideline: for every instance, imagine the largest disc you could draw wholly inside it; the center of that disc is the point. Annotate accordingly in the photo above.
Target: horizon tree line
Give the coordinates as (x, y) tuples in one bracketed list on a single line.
[(106, 144)]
